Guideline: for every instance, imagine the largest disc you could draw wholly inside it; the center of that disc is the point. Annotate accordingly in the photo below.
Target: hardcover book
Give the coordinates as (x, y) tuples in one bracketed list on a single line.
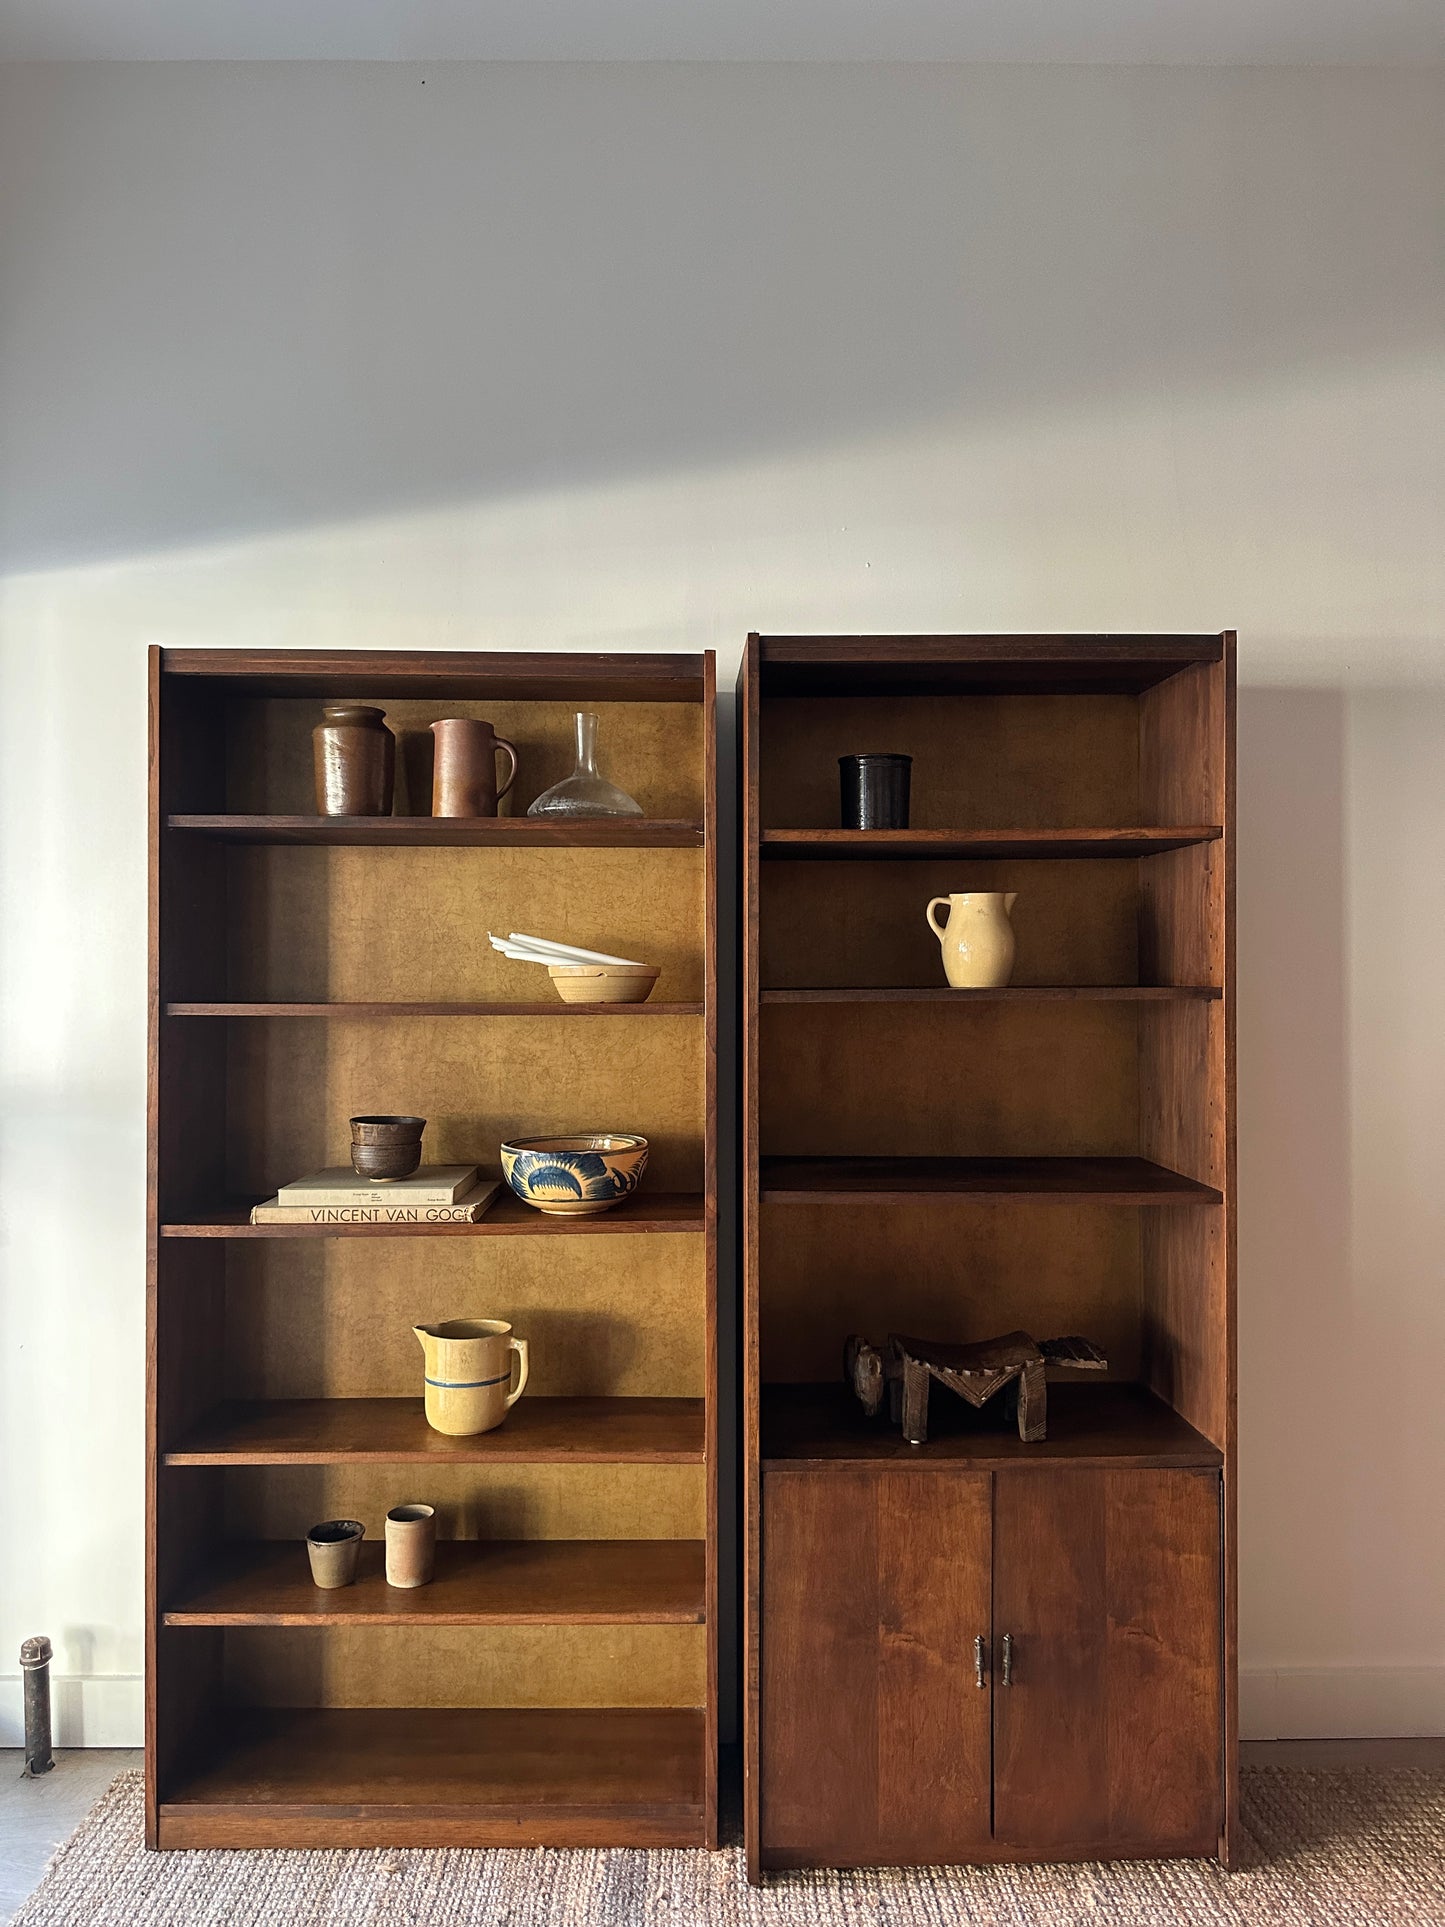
[(428, 1184), (381, 1209)]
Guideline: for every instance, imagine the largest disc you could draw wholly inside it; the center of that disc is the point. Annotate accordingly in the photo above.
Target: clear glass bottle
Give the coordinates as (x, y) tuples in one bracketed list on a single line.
[(586, 792)]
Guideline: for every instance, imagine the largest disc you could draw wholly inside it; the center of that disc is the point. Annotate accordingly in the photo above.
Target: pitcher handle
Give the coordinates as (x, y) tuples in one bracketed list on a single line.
[(937, 928), (519, 1346), (500, 742)]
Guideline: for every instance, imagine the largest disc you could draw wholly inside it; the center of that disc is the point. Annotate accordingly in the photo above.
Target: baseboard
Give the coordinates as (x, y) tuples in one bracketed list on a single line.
[(96, 1709), (1342, 1703), (1288, 1703)]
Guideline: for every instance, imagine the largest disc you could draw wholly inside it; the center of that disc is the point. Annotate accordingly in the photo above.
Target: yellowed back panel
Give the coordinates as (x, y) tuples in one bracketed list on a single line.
[(411, 925), (294, 1083), (651, 750), (988, 1080), (945, 1270), (332, 1318), (832, 924), (472, 1502), (481, 1666), (995, 762)]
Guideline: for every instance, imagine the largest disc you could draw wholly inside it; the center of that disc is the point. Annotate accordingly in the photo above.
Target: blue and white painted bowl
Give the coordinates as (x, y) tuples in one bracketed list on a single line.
[(571, 1177)]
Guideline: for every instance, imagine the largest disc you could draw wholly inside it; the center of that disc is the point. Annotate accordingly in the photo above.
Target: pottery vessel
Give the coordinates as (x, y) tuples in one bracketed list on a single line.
[(386, 1148), (572, 1177), (873, 791), (411, 1545), (978, 939), (333, 1548), (355, 756), (469, 1373), (604, 983), (464, 775)]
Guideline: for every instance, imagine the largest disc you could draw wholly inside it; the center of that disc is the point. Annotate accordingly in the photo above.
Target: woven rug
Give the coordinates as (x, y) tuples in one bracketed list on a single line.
[(1356, 1848)]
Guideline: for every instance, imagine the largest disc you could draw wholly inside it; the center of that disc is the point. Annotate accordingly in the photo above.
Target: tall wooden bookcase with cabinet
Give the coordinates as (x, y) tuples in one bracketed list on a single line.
[(979, 1649), (557, 1683)]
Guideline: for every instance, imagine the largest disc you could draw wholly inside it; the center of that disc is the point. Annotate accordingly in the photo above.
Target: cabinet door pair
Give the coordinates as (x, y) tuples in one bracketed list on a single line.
[(970, 1665)]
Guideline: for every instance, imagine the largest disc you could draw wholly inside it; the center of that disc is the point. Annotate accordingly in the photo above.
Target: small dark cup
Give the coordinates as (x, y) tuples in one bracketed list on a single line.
[(874, 791), (333, 1548), (386, 1148)]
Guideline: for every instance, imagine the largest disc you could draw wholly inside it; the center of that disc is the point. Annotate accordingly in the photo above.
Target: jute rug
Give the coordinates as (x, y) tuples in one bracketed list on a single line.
[(1350, 1848)]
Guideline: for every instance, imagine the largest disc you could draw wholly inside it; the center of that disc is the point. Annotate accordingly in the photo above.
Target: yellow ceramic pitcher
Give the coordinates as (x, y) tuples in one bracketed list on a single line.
[(469, 1373), (978, 939)]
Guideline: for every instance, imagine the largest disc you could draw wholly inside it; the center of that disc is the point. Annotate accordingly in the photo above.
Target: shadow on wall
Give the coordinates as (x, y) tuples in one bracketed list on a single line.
[(244, 299), (1342, 1320)]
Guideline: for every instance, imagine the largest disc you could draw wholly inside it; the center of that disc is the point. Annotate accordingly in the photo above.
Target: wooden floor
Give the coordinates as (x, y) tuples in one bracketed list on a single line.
[(36, 1815)]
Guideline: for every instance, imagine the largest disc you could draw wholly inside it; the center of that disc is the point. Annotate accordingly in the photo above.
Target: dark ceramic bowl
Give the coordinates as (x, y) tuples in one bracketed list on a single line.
[(386, 1148)]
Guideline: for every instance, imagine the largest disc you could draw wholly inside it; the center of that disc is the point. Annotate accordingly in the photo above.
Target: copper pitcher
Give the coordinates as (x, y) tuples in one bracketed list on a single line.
[(464, 777)]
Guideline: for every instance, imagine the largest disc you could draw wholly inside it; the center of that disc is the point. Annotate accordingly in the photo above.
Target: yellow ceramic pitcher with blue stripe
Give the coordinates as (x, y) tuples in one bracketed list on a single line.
[(469, 1373)]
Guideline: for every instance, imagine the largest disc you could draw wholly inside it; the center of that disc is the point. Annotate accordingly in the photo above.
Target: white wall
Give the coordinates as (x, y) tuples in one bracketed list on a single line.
[(625, 357)]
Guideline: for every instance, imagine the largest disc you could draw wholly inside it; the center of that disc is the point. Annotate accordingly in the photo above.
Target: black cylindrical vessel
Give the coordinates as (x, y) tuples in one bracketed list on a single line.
[(874, 791)]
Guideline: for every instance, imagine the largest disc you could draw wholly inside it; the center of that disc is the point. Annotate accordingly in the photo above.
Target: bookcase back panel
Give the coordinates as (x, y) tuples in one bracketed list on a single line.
[(863, 924), (996, 762), (294, 1083), (651, 750), (466, 1666), (991, 1080), (955, 1271), (410, 925), (333, 1318), (473, 1502)]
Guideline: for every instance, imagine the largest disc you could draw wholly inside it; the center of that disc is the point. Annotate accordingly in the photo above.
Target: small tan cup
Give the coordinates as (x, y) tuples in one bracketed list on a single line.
[(469, 1385), (333, 1548), (411, 1545)]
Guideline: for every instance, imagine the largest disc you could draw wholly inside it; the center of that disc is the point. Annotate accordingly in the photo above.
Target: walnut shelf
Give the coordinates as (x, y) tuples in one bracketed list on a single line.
[(520, 1582), (428, 1776), (445, 832), (394, 1431), (304, 968), (1010, 994), (1095, 1425), (508, 1217), (350, 1012), (980, 1180), (983, 845)]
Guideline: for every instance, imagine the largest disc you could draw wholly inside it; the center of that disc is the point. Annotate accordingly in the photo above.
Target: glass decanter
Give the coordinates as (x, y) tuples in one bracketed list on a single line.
[(586, 792)]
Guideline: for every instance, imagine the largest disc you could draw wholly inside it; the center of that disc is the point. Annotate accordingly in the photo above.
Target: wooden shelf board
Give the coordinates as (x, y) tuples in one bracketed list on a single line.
[(394, 1431), (983, 845), (1009, 994), (978, 665), (658, 1211), (553, 1007), (522, 1582), (449, 832), (1094, 1425), (500, 675), (416, 1776), (980, 1180)]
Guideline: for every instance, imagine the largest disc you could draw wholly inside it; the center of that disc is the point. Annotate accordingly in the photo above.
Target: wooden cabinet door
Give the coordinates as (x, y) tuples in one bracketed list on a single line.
[(875, 1738), (1109, 1732)]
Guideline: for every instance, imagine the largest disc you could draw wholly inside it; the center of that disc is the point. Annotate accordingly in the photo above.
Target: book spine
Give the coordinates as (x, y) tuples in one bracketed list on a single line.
[(367, 1213)]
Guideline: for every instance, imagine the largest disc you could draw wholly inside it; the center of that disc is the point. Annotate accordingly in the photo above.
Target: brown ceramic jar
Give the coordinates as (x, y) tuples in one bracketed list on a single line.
[(355, 761), (464, 782)]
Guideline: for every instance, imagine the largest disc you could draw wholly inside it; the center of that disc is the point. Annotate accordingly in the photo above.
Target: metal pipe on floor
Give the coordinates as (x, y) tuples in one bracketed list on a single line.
[(35, 1656)]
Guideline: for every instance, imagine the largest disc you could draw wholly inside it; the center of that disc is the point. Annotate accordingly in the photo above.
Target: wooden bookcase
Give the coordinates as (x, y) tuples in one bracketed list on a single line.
[(977, 1649), (557, 1683)]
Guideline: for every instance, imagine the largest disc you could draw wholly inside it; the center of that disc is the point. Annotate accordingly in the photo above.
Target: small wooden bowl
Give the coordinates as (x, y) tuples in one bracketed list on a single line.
[(604, 983), (386, 1148)]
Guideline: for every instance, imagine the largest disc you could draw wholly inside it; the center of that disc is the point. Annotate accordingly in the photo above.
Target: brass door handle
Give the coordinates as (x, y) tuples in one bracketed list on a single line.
[(1008, 1659), (978, 1678)]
